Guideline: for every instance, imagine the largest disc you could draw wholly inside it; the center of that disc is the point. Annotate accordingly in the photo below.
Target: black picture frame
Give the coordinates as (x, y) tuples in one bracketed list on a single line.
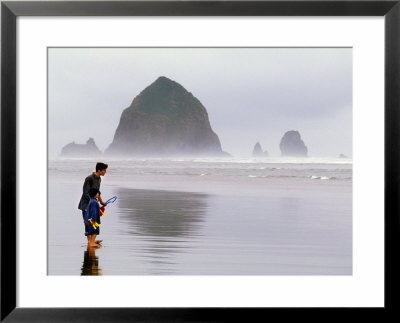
[(11, 10)]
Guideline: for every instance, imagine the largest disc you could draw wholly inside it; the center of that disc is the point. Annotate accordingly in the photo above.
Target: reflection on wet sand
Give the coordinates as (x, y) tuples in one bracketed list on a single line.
[(162, 213), (90, 266), (162, 221)]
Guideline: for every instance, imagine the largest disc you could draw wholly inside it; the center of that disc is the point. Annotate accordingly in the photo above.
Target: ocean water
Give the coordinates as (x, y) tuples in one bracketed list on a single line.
[(205, 217)]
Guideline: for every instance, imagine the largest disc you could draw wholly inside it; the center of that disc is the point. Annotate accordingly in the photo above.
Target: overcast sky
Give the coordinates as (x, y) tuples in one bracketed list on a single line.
[(251, 94)]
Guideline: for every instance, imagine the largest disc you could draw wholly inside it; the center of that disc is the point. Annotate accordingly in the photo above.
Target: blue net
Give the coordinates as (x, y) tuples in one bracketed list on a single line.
[(111, 200)]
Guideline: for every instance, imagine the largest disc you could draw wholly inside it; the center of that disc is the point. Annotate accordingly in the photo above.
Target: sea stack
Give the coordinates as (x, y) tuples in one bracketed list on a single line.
[(292, 145), (81, 150), (165, 120), (258, 152)]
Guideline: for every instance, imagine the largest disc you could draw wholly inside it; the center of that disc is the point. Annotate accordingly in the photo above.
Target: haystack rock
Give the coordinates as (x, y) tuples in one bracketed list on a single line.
[(165, 120), (81, 150), (292, 145), (258, 152)]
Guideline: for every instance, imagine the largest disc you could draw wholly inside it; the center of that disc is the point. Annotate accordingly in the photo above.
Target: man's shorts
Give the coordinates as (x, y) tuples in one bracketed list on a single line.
[(86, 226)]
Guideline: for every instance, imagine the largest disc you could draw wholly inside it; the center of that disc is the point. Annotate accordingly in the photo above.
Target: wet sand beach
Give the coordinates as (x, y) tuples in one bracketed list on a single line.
[(279, 230)]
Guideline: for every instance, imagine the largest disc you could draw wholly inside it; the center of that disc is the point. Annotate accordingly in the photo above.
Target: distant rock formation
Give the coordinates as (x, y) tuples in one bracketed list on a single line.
[(343, 156), (81, 150), (292, 145), (165, 120), (258, 152)]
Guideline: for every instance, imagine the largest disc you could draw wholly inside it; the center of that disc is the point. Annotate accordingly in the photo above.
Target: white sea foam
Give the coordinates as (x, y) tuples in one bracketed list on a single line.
[(322, 177), (149, 170)]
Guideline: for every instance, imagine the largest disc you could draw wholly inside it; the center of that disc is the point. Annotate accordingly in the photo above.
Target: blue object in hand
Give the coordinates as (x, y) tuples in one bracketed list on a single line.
[(111, 200)]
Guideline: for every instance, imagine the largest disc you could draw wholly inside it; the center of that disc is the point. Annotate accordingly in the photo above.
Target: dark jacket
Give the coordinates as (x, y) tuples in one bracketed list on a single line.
[(90, 181)]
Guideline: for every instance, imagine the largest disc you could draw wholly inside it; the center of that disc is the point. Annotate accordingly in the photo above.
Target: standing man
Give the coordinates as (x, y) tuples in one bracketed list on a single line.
[(92, 181)]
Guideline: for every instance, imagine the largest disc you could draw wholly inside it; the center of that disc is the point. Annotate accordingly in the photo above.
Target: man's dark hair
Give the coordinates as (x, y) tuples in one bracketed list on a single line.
[(101, 166), (93, 191)]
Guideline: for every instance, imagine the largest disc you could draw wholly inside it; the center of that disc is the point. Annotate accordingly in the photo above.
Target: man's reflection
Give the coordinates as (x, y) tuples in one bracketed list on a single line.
[(90, 266)]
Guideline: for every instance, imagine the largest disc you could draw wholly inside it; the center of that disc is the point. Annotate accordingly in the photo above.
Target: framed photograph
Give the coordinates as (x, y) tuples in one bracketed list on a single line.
[(198, 161)]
